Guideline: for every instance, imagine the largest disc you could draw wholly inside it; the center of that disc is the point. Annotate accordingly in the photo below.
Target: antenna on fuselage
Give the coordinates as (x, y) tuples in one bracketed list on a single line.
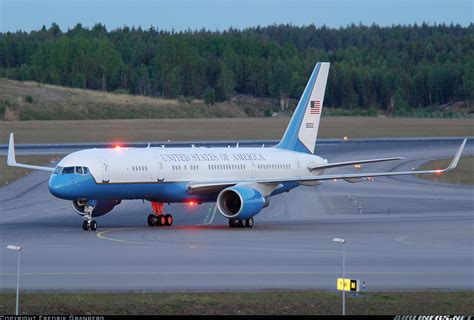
[(148, 146), (237, 145), (163, 146), (263, 145)]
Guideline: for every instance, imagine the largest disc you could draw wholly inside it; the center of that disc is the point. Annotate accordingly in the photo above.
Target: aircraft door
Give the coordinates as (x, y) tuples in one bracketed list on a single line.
[(105, 170), (160, 170), (252, 169)]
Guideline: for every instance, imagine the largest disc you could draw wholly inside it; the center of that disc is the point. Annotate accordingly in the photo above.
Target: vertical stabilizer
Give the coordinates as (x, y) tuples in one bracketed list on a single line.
[(302, 131)]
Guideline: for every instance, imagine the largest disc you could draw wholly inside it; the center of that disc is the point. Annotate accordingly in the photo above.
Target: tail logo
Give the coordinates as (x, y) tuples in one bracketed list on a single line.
[(315, 107), (302, 131)]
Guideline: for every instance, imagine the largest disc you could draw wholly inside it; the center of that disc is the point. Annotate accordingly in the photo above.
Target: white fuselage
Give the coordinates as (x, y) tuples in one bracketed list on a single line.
[(148, 165)]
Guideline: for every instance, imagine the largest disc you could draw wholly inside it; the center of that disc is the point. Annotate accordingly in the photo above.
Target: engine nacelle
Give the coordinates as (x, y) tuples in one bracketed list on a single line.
[(100, 207), (239, 203)]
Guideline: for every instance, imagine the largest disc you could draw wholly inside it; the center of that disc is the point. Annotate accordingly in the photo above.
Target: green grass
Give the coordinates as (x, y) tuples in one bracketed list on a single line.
[(224, 129), (464, 172), (25, 100), (240, 303)]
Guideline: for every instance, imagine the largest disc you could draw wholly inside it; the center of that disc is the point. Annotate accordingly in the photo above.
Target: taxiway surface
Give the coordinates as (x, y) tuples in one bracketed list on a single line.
[(402, 233)]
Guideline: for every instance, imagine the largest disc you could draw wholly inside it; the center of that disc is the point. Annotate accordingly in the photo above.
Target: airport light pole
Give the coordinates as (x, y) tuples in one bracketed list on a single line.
[(17, 249), (343, 242)]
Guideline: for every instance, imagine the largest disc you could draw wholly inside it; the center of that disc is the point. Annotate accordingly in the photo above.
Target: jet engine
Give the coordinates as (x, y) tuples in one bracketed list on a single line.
[(239, 203), (100, 207)]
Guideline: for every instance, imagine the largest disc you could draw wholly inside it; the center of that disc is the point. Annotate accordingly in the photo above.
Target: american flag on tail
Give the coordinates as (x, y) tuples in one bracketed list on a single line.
[(315, 107)]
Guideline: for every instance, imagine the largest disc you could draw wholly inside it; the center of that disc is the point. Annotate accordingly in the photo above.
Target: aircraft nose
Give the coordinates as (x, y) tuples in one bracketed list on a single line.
[(62, 186)]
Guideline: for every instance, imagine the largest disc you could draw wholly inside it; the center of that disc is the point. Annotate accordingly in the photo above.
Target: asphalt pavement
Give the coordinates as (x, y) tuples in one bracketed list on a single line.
[(402, 233)]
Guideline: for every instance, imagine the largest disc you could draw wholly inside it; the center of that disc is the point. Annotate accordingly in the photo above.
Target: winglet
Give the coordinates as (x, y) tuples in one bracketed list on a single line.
[(457, 156), (11, 161)]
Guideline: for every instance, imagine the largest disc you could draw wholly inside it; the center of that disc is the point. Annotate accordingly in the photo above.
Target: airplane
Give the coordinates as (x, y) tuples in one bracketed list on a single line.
[(240, 180)]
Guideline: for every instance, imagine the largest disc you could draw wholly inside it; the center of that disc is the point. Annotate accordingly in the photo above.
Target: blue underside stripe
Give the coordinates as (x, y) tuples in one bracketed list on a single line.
[(84, 187)]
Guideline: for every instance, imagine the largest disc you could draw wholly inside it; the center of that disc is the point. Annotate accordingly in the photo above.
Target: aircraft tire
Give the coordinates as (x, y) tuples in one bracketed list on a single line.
[(168, 220), (151, 220), (249, 222), (160, 220)]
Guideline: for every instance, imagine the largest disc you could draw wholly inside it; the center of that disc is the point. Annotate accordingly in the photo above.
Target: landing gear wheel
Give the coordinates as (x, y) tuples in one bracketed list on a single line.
[(151, 220), (249, 222), (160, 220), (243, 223), (168, 220), (88, 223), (232, 223)]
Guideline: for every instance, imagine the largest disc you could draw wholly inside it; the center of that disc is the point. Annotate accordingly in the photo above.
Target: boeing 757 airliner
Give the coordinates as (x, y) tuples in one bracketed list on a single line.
[(240, 180)]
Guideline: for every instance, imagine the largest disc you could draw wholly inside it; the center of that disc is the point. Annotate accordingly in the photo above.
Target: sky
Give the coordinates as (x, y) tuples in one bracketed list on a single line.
[(27, 15)]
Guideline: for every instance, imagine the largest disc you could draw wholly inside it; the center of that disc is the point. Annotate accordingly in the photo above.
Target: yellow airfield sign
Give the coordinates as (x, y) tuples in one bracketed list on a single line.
[(347, 284)]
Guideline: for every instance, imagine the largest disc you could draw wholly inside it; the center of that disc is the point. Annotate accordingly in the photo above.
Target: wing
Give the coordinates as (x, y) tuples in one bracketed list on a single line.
[(215, 186), (11, 160), (349, 163)]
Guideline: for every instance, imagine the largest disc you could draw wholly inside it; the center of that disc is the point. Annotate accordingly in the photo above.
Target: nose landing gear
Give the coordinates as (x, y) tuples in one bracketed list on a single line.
[(158, 218), (88, 223)]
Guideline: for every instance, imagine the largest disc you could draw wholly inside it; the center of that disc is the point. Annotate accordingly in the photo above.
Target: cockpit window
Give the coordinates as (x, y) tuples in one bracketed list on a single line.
[(58, 170), (82, 170), (67, 170)]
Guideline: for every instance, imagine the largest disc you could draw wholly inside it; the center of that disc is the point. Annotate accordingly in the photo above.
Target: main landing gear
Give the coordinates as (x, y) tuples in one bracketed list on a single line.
[(158, 218), (247, 223), (88, 223)]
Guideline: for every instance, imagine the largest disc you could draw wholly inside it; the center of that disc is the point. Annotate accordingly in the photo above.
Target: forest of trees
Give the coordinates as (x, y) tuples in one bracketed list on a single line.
[(388, 68)]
